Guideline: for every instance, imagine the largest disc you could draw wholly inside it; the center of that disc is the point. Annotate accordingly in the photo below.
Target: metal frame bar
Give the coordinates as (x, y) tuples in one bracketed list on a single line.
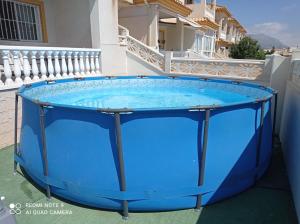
[(44, 156), (275, 112), (16, 131), (203, 157), (121, 162), (259, 141)]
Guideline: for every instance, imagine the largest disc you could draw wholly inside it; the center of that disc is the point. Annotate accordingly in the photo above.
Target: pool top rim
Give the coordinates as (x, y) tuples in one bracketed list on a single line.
[(25, 87)]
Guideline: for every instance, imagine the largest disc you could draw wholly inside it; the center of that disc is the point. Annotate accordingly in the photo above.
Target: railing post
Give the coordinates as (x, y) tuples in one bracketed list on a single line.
[(260, 134), (121, 162), (44, 145), (275, 114), (202, 157), (168, 61), (26, 67), (16, 132)]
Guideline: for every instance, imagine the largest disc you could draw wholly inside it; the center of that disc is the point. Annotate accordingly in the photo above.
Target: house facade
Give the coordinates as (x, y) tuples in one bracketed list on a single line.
[(230, 31)]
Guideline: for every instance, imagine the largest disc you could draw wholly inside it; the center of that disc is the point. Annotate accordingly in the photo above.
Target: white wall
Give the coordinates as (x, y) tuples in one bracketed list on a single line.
[(290, 138), (172, 39), (280, 74), (139, 20), (68, 25), (290, 130), (72, 22)]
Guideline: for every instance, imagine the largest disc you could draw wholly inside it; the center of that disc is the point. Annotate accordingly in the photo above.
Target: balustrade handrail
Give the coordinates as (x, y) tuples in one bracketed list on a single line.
[(38, 48)]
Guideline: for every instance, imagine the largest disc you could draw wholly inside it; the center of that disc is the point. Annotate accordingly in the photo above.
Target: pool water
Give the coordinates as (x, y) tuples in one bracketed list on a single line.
[(145, 98)]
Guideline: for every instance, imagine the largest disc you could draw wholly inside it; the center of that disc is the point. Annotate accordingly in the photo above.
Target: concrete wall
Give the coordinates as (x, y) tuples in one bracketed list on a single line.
[(280, 70), (290, 138), (290, 129), (68, 25)]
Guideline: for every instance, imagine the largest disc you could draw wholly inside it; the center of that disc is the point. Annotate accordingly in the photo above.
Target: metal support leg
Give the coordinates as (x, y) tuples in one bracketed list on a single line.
[(16, 132), (259, 141), (275, 113), (203, 157), (45, 159), (121, 163)]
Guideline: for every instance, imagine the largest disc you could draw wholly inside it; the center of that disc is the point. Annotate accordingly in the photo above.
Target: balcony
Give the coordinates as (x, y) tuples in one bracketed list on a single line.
[(173, 5)]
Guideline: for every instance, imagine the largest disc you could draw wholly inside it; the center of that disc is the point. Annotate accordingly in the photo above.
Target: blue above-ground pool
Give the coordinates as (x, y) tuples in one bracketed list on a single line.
[(145, 143)]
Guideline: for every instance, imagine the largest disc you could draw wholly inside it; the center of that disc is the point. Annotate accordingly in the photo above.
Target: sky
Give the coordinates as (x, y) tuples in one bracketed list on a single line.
[(276, 18)]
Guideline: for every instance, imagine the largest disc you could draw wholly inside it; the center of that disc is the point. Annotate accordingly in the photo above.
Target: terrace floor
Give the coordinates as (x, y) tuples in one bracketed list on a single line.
[(270, 201)]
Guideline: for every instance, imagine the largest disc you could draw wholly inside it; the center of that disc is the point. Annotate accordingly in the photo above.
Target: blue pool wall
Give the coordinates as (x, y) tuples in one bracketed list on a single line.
[(161, 154)]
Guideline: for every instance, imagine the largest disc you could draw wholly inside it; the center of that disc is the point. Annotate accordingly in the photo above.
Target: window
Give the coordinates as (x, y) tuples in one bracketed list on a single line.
[(22, 20), (188, 1), (198, 43)]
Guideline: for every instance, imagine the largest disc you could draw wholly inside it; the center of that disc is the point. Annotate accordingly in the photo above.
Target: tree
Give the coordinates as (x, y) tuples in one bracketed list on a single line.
[(247, 48)]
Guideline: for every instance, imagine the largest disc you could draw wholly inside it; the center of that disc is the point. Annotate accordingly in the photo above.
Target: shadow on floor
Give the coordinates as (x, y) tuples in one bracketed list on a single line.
[(269, 201)]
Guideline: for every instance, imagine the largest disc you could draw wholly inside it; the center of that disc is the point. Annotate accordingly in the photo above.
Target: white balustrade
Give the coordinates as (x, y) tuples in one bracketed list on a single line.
[(26, 64)]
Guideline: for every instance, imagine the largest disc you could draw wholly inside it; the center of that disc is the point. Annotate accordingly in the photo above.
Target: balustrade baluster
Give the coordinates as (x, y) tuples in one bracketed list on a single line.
[(26, 67), (50, 65), (76, 64), (57, 65), (87, 63), (7, 68), (43, 68), (93, 63), (64, 68), (97, 63), (34, 66), (17, 67), (70, 64), (81, 63)]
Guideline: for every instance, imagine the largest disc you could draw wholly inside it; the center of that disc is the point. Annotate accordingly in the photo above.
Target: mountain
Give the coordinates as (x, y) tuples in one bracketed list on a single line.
[(267, 42)]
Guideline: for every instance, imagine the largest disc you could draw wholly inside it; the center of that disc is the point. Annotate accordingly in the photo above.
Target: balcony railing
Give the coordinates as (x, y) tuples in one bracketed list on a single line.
[(22, 65)]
